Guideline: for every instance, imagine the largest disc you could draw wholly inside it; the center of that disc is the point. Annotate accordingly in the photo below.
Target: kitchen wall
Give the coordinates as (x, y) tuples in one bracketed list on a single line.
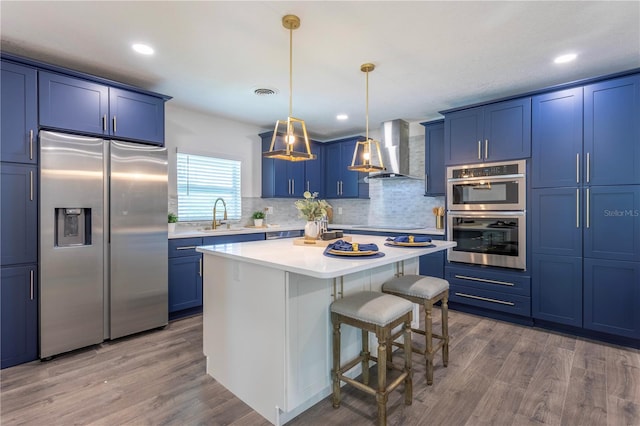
[(392, 202)]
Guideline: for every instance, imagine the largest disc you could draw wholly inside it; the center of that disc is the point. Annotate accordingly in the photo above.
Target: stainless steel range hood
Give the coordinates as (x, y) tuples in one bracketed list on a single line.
[(395, 151)]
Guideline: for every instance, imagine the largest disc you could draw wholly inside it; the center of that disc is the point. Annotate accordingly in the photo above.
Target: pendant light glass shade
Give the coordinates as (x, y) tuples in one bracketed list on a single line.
[(283, 148), (366, 155)]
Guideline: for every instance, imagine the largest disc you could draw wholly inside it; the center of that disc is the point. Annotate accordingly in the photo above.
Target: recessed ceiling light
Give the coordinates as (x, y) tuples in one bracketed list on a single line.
[(563, 59), (342, 116), (142, 48)]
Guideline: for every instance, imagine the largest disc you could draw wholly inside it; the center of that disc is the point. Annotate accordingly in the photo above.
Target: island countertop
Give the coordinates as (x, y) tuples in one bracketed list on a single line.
[(310, 260)]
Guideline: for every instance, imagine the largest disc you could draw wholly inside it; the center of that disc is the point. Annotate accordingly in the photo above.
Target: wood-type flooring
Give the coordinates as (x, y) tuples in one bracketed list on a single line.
[(498, 374)]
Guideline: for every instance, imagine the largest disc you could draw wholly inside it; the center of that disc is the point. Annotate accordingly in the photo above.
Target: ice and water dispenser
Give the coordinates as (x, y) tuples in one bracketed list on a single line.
[(73, 226)]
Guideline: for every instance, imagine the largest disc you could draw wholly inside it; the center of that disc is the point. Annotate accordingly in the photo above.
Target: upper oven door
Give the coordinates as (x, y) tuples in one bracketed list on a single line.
[(499, 186)]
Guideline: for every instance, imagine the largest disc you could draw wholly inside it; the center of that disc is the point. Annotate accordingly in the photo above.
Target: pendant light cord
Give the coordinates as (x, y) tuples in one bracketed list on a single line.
[(290, 72), (367, 107)]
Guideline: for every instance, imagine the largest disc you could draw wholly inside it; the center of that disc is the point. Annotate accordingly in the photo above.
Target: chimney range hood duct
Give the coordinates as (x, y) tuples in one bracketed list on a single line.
[(395, 151)]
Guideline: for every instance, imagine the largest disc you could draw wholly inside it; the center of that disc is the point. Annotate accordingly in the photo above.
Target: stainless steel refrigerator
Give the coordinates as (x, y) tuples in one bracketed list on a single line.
[(103, 240)]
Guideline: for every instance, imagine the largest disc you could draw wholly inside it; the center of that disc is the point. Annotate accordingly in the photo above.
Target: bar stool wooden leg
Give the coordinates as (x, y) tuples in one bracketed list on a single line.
[(445, 330), (365, 357), (408, 381), (381, 394), (428, 325), (336, 363)]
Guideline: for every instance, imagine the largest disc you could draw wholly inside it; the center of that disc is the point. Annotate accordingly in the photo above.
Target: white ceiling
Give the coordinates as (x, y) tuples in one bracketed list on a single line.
[(429, 56)]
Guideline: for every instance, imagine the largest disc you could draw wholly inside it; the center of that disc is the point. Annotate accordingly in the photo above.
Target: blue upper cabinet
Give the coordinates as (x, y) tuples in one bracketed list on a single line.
[(612, 131), (313, 172), (341, 182), (557, 139), (494, 132), (136, 116), (434, 173), (281, 178), (77, 105), (73, 104), (19, 114)]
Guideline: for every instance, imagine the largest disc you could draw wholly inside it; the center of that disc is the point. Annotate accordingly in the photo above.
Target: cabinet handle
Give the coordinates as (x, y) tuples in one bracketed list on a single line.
[(483, 280), (31, 283), (486, 148), (486, 299), (588, 168), (479, 150), (115, 127), (588, 208), (578, 167), (307, 186), (341, 188), (578, 208), (293, 186), (30, 185), (337, 187), (186, 248), (31, 144), (200, 266), (104, 123)]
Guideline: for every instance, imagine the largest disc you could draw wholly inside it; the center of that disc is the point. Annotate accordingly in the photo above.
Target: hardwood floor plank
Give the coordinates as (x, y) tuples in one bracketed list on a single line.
[(544, 398), (520, 365), (590, 356), (586, 402), (622, 412), (623, 376), (498, 406)]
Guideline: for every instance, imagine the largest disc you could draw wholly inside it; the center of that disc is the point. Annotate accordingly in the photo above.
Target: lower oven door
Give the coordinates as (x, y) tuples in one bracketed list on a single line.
[(488, 238)]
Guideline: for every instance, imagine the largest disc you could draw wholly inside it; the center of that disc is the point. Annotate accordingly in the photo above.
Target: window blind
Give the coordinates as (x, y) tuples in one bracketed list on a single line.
[(202, 180)]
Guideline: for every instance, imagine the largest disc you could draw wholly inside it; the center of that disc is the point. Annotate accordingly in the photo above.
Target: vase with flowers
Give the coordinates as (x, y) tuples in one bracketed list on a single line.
[(312, 209)]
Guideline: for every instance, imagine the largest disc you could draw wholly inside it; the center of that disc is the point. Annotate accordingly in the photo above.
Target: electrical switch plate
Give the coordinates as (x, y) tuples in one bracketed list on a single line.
[(268, 210), (339, 210)]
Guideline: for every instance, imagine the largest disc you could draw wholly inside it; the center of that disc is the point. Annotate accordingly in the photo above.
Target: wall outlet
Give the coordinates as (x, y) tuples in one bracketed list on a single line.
[(339, 210), (268, 210)]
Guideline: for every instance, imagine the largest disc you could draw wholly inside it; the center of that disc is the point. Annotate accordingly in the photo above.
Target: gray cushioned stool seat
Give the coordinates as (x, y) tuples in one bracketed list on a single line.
[(372, 307), (417, 285)]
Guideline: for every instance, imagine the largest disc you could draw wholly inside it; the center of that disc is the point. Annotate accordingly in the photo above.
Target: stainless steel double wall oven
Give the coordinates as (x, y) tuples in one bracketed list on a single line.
[(486, 213)]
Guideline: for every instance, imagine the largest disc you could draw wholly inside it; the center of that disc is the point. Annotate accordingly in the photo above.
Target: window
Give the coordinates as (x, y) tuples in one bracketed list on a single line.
[(202, 180)]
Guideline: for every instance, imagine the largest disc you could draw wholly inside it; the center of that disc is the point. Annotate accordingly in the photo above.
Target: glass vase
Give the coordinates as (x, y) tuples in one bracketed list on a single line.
[(311, 229)]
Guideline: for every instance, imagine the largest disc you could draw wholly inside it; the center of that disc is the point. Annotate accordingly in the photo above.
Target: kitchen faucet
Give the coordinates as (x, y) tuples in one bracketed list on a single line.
[(214, 224)]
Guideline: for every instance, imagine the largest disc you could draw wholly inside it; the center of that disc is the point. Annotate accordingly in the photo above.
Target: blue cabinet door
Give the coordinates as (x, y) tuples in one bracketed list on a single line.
[(73, 104), (612, 297), (556, 289), (313, 171), (19, 311), (333, 173), (349, 187), (612, 223), (136, 116), (507, 130), (557, 139), (281, 178), (556, 221), (19, 114), (19, 213), (434, 172), (463, 134), (185, 282), (612, 131)]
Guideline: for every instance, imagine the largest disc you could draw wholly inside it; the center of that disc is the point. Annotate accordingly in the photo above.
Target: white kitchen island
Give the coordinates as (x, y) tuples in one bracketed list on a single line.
[(266, 322)]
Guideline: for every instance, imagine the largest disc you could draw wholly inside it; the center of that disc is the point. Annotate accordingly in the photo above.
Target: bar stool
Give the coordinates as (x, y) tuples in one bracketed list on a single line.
[(378, 313), (425, 291)]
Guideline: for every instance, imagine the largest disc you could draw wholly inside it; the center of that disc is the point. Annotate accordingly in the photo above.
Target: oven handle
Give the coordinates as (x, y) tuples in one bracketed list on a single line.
[(487, 178)]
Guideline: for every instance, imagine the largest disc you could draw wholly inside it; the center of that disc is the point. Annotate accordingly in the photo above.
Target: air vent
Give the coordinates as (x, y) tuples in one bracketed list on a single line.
[(265, 92)]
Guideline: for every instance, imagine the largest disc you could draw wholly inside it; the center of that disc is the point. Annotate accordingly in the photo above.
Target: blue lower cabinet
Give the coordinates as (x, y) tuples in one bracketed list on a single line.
[(556, 289), (19, 315), (496, 290), (185, 282), (612, 297)]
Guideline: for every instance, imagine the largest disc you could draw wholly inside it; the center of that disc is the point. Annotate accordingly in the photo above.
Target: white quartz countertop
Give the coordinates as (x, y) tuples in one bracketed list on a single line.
[(188, 233), (310, 260)]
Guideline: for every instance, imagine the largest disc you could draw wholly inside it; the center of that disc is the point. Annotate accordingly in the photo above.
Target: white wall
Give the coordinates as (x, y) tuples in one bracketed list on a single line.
[(199, 133)]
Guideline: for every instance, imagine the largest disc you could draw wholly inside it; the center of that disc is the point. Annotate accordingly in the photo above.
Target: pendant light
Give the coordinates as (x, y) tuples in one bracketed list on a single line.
[(362, 155), (285, 149)]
